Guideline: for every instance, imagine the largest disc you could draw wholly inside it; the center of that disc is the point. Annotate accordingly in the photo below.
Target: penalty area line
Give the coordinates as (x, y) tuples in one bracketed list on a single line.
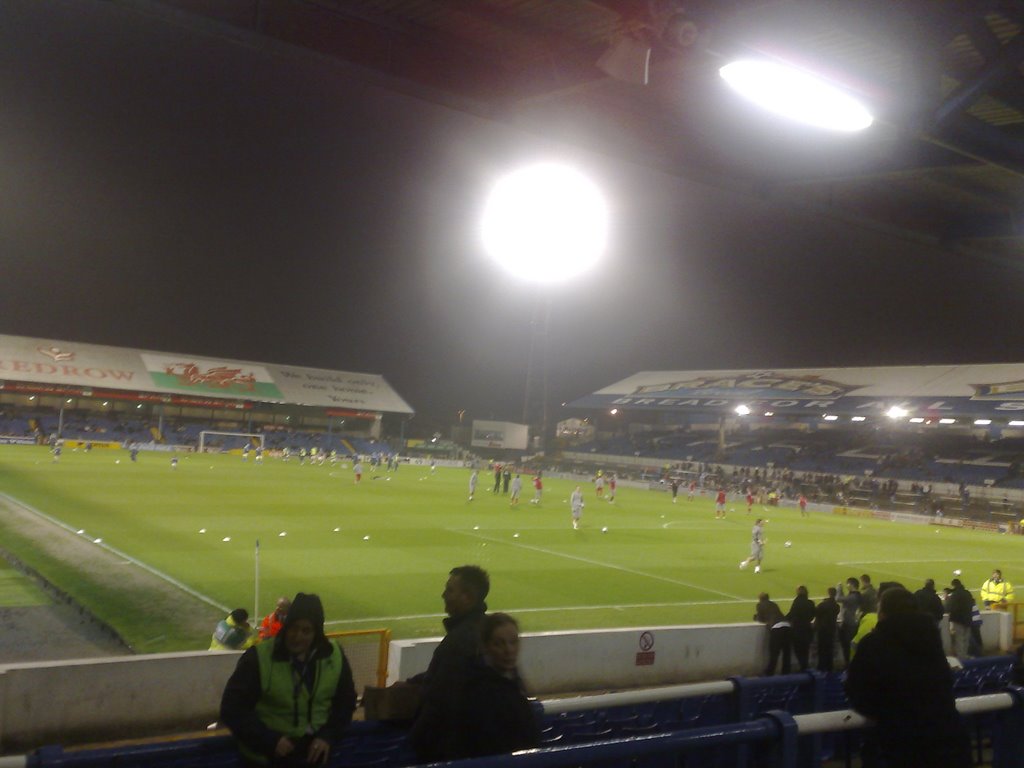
[(115, 551), (597, 563)]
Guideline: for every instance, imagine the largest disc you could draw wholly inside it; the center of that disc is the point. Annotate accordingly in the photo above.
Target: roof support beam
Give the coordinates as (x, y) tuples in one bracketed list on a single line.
[(994, 72)]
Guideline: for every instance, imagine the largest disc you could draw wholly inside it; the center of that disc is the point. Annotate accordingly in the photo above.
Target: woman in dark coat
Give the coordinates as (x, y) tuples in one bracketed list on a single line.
[(900, 678), (499, 718)]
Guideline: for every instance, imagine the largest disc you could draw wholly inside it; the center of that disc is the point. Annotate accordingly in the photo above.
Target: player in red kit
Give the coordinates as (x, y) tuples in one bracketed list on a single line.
[(750, 500), (720, 504)]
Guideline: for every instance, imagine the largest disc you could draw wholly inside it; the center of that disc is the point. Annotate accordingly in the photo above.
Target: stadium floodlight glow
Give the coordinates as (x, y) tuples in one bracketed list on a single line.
[(769, 413), (858, 418), (896, 412), (742, 410), (982, 422), (947, 421), (1015, 424), (917, 420), (545, 223), (830, 417), (613, 411), (796, 94)]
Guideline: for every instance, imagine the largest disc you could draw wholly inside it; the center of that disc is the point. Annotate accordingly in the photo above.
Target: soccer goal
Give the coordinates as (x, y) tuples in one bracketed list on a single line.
[(222, 442)]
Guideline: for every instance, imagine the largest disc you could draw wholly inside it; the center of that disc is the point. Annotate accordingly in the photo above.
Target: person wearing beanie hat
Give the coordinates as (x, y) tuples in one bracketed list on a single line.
[(290, 698)]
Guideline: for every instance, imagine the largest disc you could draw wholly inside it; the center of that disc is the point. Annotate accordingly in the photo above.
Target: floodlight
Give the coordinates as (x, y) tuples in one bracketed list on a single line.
[(1016, 424), (857, 418), (947, 421), (545, 223), (742, 410), (830, 417), (896, 412), (982, 422), (917, 420), (769, 413), (613, 411), (796, 94)]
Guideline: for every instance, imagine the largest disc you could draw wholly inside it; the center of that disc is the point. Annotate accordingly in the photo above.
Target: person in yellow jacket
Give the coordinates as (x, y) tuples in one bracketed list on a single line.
[(233, 633), (290, 699), (996, 593)]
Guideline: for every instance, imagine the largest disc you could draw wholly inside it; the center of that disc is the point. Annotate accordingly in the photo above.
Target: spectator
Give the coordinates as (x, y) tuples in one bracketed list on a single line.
[(849, 617), (869, 618), (928, 601), (233, 633), (868, 595), (801, 621), (438, 732), (996, 593), (769, 614), (974, 642), (958, 606), (900, 679), (497, 717), (290, 699), (825, 617), (273, 622)]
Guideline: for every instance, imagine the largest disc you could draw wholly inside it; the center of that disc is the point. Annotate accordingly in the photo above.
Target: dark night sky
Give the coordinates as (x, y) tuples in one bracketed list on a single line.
[(165, 188)]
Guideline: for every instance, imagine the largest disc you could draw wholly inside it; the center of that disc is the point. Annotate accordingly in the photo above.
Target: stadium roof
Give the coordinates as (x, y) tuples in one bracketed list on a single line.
[(922, 391), (943, 162), (70, 368)]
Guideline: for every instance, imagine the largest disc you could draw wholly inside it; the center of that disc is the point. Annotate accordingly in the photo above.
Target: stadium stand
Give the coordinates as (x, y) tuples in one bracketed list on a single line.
[(700, 723)]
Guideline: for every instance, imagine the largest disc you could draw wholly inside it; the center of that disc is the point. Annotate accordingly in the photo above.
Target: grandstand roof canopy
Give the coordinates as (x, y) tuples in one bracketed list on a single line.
[(45, 365), (923, 391)]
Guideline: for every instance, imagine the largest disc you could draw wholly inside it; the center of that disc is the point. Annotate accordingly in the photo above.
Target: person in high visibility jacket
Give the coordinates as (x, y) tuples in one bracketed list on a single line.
[(272, 622), (996, 593), (290, 699), (233, 633)]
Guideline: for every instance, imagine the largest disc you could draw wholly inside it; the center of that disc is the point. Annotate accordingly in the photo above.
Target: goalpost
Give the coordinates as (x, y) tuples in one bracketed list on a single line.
[(220, 442)]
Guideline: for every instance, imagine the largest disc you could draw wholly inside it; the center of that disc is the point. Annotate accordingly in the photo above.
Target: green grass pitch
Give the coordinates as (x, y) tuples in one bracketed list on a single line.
[(659, 563)]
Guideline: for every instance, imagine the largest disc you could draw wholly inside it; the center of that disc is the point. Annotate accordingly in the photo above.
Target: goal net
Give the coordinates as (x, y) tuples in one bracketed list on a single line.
[(222, 442), (367, 652)]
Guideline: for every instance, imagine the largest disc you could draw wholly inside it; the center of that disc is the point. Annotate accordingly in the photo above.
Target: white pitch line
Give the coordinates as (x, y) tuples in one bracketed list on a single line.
[(119, 553), (562, 608), (599, 564), (904, 562)]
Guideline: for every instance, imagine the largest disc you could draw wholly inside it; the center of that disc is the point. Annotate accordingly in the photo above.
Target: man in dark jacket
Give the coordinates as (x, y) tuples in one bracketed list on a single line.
[(769, 614), (929, 602), (959, 606), (899, 677), (438, 732), (825, 616), (290, 697), (801, 620)]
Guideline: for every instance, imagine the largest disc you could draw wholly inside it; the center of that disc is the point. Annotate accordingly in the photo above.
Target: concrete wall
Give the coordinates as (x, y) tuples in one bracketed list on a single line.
[(68, 702), (559, 662), (74, 702)]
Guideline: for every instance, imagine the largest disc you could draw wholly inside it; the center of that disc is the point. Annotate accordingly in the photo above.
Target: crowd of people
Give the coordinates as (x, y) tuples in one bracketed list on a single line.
[(292, 693), (835, 626)]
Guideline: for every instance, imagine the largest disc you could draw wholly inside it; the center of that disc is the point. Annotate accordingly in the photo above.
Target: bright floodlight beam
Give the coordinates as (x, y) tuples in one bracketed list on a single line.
[(896, 412), (545, 223), (741, 410), (797, 95)]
